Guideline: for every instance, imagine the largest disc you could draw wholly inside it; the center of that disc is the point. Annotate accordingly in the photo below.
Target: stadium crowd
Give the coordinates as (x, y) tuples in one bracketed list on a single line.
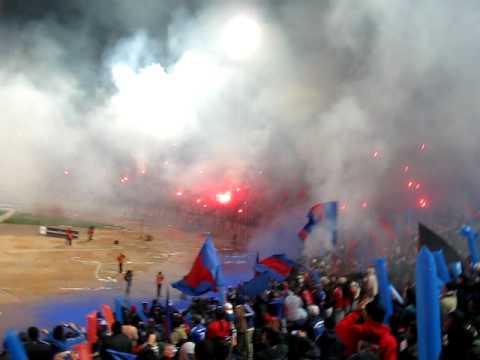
[(310, 315)]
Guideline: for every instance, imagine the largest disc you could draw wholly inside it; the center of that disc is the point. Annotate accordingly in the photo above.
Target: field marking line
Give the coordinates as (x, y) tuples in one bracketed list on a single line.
[(97, 269), (21, 251), (7, 215)]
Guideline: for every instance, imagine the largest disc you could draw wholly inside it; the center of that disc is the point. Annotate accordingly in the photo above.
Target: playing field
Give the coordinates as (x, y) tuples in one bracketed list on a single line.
[(43, 281), (34, 266)]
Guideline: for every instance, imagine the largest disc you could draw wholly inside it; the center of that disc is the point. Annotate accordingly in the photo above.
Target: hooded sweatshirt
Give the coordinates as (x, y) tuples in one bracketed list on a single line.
[(351, 333)]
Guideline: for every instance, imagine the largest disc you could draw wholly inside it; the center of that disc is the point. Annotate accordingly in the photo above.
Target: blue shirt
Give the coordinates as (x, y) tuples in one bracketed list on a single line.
[(198, 333)]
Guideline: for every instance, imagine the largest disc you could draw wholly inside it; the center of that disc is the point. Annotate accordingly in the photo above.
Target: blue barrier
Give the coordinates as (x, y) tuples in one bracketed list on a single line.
[(14, 346), (384, 287), (117, 355), (141, 313), (119, 309), (441, 265), (472, 238), (428, 307)]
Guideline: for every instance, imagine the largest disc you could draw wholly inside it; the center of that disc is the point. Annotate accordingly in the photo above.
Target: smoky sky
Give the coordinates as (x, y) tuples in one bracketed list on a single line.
[(331, 84)]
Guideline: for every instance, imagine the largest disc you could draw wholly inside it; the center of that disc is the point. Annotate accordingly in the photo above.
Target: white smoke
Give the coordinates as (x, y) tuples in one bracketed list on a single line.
[(306, 95)]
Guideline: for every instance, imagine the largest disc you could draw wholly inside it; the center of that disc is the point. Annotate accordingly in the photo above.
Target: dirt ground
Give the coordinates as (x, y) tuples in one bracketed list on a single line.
[(33, 266)]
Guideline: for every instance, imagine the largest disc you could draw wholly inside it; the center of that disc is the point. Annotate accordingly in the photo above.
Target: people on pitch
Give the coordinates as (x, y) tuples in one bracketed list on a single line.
[(120, 260), (159, 281), (128, 280), (91, 232), (69, 236)]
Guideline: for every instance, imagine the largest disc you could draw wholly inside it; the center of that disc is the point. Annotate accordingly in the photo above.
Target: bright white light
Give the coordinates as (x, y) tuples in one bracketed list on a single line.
[(196, 74), (224, 198), (122, 75), (160, 102), (240, 37)]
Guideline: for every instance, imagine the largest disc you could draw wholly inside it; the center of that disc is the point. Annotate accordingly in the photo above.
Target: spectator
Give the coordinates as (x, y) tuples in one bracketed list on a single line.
[(294, 311), (372, 332), (219, 328), (187, 351), (459, 341), (117, 341), (448, 302), (35, 348), (179, 333), (274, 349), (244, 325), (330, 346), (371, 283), (198, 331), (63, 337), (151, 350)]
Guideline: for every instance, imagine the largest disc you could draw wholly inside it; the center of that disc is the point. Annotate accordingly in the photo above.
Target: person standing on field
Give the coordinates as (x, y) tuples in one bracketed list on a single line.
[(69, 235), (128, 279), (159, 280), (91, 232), (120, 259)]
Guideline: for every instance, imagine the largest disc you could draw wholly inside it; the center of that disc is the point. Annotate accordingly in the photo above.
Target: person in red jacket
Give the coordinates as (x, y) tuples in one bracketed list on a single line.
[(69, 236), (371, 334), (219, 328)]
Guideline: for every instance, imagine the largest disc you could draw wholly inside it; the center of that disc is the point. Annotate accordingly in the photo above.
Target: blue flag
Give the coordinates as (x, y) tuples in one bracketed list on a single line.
[(257, 285), (323, 214)]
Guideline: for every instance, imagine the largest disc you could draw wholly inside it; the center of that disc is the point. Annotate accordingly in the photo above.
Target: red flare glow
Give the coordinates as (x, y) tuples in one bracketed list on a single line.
[(422, 203), (240, 211), (179, 193), (364, 204), (224, 198)]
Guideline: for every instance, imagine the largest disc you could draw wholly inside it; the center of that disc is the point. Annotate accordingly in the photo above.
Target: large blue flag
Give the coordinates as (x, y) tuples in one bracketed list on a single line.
[(206, 273), (324, 215), (257, 285)]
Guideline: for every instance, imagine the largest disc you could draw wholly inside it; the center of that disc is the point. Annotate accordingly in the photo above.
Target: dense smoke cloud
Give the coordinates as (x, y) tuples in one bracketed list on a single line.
[(110, 90)]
